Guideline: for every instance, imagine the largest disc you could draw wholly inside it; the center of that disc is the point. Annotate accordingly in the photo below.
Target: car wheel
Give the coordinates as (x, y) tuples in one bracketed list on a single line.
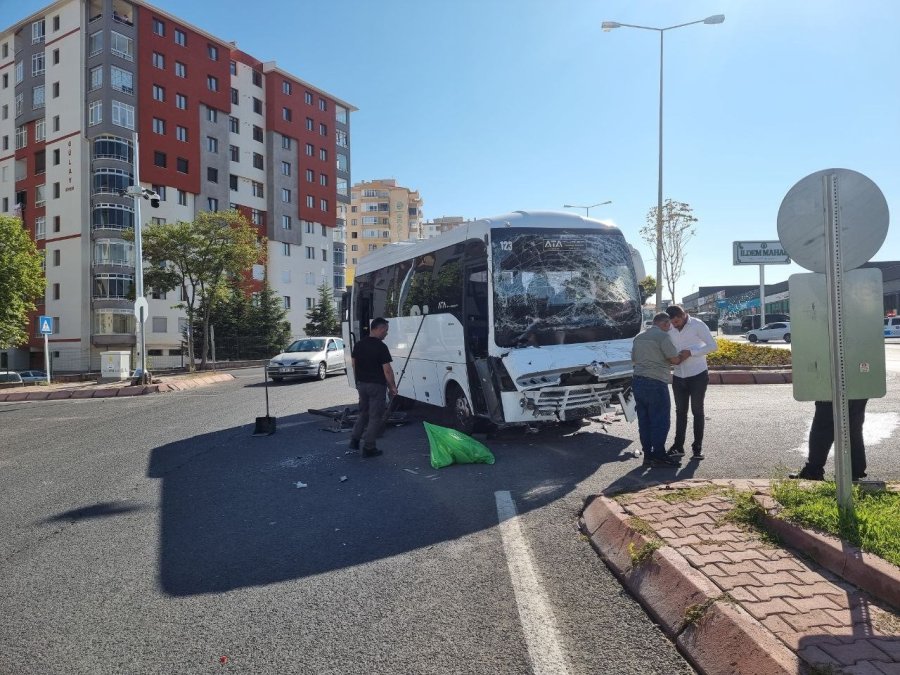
[(752, 338), (322, 372), (458, 410), (787, 337)]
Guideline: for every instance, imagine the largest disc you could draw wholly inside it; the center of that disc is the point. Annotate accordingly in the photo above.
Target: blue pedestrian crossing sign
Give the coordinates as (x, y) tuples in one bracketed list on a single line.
[(45, 324)]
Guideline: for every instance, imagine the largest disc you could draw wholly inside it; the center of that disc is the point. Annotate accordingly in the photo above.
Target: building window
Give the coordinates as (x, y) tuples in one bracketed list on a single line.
[(285, 195), (180, 69), (181, 101), (235, 96), (56, 191), (182, 197), (55, 57), (234, 153), (323, 104), (40, 130), (160, 324), (340, 137), (95, 112), (57, 223), (40, 227), (309, 150), (310, 253), (286, 87), (257, 106), (308, 97), (20, 98), (256, 216), (212, 115), (232, 182), (212, 175), (37, 97), (213, 52), (232, 67), (212, 144), (257, 78), (234, 125), (56, 123), (159, 93), (285, 168), (159, 158), (56, 157), (310, 176), (286, 143), (310, 201), (323, 129), (123, 114), (310, 227), (323, 204), (257, 189), (56, 257), (20, 71), (257, 133), (37, 32), (285, 222), (257, 160), (287, 301), (181, 165), (286, 114), (37, 63), (286, 250), (159, 27), (95, 43), (159, 126), (310, 124), (212, 83), (123, 80), (180, 38), (121, 45), (340, 114), (323, 179), (323, 154), (213, 204), (181, 133), (161, 191)]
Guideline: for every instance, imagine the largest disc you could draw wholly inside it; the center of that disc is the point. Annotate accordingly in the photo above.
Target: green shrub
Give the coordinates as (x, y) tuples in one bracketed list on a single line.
[(731, 353)]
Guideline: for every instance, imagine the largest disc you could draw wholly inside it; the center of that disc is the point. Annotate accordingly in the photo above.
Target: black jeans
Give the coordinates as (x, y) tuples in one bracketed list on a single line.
[(689, 390), (372, 404), (821, 437)]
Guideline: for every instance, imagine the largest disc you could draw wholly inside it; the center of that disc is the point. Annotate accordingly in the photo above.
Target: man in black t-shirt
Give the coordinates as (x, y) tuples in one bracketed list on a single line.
[(374, 375)]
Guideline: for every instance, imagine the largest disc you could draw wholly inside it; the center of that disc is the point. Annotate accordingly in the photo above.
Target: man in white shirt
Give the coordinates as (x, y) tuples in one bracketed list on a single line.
[(690, 378)]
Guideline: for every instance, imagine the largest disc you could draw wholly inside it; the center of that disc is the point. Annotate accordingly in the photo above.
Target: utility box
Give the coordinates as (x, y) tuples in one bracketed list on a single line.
[(115, 365)]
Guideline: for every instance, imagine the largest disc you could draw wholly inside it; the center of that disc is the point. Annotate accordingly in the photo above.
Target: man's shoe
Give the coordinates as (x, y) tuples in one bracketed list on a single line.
[(698, 454), (354, 444), (371, 452), (676, 451), (803, 474), (859, 477), (664, 462)]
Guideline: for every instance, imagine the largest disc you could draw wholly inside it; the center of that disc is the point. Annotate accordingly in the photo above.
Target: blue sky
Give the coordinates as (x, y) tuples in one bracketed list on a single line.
[(488, 106)]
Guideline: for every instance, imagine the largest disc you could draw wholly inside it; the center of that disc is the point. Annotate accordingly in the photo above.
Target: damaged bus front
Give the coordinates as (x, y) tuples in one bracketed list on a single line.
[(523, 319)]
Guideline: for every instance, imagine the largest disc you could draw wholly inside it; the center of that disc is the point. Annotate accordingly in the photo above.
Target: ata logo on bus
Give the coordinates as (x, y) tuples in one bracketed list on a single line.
[(557, 243)]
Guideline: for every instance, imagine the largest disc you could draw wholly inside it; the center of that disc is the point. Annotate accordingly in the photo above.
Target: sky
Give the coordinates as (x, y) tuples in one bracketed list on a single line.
[(491, 106)]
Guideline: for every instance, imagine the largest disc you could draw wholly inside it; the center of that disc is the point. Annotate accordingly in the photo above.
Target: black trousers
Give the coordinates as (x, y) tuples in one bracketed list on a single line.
[(690, 391), (821, 437)]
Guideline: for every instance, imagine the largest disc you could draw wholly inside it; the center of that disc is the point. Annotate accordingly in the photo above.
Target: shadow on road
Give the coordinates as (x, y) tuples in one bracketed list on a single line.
[(240, 511), (101, 510)]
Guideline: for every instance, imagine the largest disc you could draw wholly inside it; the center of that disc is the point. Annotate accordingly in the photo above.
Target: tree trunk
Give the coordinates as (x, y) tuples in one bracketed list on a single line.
[(190, 336)]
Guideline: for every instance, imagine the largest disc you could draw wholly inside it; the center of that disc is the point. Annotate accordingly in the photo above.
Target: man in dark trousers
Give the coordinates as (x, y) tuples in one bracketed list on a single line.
[(374, 375), (821, 437)]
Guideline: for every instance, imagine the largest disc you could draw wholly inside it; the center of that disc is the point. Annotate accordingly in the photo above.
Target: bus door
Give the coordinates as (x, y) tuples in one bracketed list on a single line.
[(348, 333), (476, 329)]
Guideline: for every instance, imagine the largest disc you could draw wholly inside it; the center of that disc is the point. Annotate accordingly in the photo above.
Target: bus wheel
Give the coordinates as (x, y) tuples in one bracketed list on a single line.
[(459, 411)]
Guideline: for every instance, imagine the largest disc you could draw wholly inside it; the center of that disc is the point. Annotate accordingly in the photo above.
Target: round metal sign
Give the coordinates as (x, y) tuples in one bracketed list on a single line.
[(803, 218), (141, 309)]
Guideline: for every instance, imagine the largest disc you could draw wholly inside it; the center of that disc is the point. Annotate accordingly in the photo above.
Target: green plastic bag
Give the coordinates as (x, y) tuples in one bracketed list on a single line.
[(449, 446)]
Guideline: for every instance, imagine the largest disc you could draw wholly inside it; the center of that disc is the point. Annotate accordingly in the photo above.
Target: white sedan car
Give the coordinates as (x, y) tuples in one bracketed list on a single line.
[(308, 357), (780, 330)]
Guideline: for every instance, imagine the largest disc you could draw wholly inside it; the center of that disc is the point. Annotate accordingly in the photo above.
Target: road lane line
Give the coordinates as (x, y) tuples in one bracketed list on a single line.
[(535, 612)]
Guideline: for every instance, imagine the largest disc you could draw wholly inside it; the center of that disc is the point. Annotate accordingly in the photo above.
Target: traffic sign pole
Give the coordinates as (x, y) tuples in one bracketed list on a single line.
[(47, 356), (762, 297)]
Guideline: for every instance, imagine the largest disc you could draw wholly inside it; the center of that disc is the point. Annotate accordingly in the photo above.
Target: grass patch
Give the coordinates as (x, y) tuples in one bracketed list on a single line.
[(687, 494), (731, 353), (642, 526), (875, 528), (639, 555), (748, 514)]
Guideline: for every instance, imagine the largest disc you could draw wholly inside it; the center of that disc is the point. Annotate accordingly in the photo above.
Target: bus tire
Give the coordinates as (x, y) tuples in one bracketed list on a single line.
[(459, 410)]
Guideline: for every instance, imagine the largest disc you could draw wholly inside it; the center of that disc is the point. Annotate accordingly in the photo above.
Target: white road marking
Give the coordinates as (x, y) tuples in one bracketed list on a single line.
[(877, 428), (535, 612)]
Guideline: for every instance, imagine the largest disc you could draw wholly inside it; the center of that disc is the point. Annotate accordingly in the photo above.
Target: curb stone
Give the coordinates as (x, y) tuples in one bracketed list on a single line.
[(110, 392)]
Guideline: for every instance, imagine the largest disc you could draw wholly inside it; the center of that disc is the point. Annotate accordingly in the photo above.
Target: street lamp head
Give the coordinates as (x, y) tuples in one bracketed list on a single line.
[(607, 26), (715, 18)]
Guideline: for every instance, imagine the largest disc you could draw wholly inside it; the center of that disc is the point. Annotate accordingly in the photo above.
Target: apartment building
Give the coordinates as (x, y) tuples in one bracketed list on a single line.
[(381, 212), (80, 82), (439, 226)]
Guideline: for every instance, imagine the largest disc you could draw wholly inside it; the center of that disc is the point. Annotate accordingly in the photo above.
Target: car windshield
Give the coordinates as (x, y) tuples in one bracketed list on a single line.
[(562, 287), (9, 377), (307, 345)]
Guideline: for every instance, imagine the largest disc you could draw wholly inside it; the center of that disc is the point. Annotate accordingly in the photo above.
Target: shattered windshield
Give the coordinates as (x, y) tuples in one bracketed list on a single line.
[(562, 286)]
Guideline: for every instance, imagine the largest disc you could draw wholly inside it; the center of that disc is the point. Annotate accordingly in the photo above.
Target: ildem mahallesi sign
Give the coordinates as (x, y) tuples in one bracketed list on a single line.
[(760, 253)]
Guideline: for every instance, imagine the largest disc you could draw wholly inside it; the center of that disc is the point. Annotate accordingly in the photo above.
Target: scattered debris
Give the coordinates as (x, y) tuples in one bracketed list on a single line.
[(301, 484), (343, 479), (411, 471)]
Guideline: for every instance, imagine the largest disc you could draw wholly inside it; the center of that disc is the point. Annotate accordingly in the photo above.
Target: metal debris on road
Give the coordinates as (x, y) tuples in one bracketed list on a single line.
[(343, 479), (300, 484)]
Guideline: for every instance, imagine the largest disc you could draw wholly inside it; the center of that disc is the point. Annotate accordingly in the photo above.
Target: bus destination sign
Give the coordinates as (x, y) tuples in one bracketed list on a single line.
[(760, 253)]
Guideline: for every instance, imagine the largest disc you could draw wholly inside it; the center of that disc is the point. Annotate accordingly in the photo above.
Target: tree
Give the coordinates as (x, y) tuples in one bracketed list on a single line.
[(267, 316), (677, 230), (22, 281), (648, 285), (198, 257), (322, 318)]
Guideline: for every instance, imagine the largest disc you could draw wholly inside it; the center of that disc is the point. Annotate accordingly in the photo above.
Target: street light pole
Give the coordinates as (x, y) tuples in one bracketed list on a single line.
[(587, 209), (608, 26)]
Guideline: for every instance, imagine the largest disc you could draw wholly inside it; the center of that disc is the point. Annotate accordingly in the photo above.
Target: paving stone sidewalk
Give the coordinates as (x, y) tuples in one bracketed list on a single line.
[(93, 389), (734, 602)]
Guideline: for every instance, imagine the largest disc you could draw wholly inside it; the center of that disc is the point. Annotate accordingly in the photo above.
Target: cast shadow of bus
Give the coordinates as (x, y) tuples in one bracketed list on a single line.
[(240, 511)]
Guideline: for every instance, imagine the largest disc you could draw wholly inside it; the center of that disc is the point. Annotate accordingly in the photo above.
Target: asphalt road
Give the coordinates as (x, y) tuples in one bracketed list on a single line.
[(156, 535)]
